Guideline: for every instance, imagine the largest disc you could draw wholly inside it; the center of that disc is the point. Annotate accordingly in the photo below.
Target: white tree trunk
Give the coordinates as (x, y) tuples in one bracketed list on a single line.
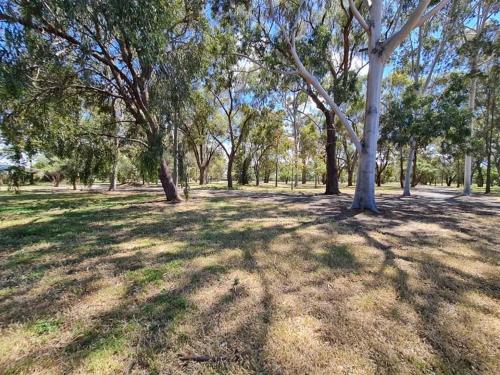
[(364, 197), (409, 169)]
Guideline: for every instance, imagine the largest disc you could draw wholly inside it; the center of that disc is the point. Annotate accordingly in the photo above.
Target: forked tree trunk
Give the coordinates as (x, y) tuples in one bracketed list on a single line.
[(167, 183), (364, 197), (409, 169)]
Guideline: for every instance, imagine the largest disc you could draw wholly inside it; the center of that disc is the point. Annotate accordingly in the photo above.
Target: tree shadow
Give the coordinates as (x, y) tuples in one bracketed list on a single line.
[(267, 239)]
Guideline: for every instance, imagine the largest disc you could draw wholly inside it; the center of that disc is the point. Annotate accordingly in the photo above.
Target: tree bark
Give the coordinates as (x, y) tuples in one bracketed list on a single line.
[(175, 172), (276, 173), (489, 143), (113, 177), (364, 196), (468, 156), (114, 168), (202, 174), (350, 175), (230, 162), (332, 177), (167, 182), (414, 178), (401, 169), (480, 177), (409, 169)]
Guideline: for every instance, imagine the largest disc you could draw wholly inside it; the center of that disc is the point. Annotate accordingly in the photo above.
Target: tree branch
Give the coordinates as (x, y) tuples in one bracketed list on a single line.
[(311, 80), (432, 12), (358, 16)]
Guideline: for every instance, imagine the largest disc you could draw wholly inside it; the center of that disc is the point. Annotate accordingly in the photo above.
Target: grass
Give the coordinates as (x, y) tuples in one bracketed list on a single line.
[(258, 280)]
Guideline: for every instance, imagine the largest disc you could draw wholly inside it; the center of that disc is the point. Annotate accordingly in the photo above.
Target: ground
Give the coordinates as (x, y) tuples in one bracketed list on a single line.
[(249, 281)]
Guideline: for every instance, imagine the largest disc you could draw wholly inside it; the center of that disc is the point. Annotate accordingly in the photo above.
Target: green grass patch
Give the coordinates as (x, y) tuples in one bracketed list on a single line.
[(45, 326), (148, 275)]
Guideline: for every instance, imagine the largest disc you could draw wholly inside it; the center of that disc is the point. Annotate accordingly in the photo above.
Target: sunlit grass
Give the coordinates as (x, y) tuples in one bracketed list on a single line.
[(259, 280)]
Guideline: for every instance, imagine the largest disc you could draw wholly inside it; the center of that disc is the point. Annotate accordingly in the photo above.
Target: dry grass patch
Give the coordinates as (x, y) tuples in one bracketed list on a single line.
[(253, 281)]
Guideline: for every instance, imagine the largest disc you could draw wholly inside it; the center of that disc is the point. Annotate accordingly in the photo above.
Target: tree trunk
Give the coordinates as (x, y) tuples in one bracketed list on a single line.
[(276, 173), (257, 175), (202, 176), (304, 173), (409, 169), (267, 175), (364, 197), (230, 162), (472, 106), (480, 178), (167, 183), (175, 172), (112, 178), (350, 175), (414, 179), (332, 177), (401, 169), (379, 177), (114, 171)]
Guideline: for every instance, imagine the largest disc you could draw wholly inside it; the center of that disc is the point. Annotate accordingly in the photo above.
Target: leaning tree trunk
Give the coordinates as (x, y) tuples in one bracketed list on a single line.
[(364, 197), (167, 183), (409, 169), (332, 177)]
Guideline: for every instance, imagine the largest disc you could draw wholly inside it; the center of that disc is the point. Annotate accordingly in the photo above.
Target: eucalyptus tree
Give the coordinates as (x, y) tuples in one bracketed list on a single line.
[(309, 140), (238, 117), (329, 50), (478, 31), (196, 123), (263, 135), (286, 25), (491, 126), (131, 51), (422, 54)]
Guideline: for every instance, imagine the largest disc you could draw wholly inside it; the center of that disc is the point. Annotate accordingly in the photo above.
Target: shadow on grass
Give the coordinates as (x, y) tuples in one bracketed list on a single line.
[(81, 236)]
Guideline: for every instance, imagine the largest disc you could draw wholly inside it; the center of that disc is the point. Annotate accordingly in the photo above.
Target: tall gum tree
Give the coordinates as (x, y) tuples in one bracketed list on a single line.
[(424, 55), (118, 49), (482, 11), (286, 20)]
